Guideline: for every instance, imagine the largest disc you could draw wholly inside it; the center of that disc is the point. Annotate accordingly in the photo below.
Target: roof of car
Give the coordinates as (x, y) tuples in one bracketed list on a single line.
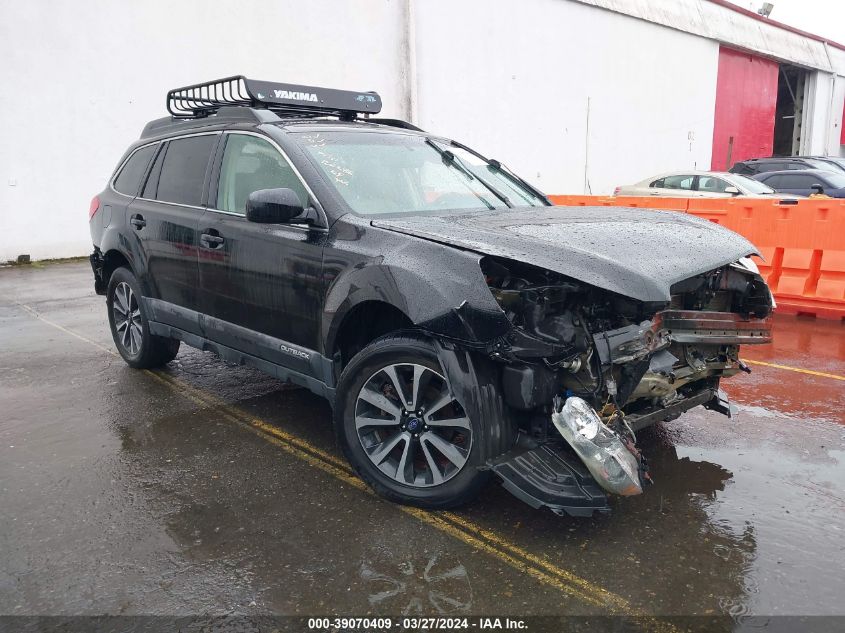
[(365, 125), (694, 172), (812, 172), (169, 125), (690, 172), (754, 160)]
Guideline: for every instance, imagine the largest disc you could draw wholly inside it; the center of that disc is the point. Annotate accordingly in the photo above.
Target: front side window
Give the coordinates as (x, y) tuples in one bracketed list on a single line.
[(383, 173), (250, 164), (183, 170), (797, 181), (129, 178), (712, 184)]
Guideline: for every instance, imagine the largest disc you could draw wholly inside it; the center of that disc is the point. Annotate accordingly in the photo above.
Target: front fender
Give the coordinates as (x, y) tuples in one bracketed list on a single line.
[(439, 288)]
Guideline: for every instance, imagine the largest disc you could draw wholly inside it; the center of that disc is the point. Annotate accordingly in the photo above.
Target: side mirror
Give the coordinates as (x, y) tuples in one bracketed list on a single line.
[(817, 189), (273, 206), (732, 190)]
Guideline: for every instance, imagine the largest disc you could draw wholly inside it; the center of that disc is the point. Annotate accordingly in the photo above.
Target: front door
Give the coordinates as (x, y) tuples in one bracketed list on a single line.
[(262, 279)]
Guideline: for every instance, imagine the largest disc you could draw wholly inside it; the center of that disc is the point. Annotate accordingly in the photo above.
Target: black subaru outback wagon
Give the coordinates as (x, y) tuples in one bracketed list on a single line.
[(459, 324)]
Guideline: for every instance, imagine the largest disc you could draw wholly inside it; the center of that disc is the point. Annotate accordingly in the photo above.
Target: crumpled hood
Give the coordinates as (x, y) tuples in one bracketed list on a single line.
[(634, 252)]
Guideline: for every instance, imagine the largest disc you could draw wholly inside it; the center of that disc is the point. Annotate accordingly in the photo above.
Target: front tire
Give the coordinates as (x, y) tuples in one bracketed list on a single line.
[(130, 328), (404, 430)]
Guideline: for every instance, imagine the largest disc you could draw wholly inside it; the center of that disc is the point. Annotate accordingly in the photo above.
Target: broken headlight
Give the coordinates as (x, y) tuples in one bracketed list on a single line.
[(611, 464)]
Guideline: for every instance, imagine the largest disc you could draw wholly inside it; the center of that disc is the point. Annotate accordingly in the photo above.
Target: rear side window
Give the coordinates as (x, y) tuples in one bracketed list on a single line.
[(678, 182), (129, 178), (743, 168), (183, 170)]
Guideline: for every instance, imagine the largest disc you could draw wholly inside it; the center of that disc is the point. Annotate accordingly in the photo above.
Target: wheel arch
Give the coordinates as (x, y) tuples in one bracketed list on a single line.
[(116, 257), (359, 325)]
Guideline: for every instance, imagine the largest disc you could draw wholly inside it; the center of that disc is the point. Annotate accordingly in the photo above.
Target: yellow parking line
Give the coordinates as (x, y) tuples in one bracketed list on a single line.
[(448, 522), (444, 521), (799, 370)]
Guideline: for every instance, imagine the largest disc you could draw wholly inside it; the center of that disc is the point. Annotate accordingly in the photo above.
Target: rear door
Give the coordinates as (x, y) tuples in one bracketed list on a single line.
[(127, 183), (163, 220), (264, 279)]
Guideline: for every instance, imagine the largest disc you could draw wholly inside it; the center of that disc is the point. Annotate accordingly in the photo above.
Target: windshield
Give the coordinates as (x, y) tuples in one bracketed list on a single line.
[(378, 173), (839, 162), (835, 180), (750, 185)]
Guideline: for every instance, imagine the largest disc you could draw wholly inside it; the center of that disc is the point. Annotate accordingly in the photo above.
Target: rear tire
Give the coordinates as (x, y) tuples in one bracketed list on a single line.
[(418, 447), (130, 328)]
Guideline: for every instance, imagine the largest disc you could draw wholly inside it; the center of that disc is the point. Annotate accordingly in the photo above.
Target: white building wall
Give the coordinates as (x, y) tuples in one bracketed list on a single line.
[(513, 81), (511, 78), (80, 79)]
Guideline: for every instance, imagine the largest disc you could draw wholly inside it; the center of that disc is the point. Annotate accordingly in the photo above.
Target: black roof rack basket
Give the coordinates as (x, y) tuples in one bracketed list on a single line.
[(204, 99)]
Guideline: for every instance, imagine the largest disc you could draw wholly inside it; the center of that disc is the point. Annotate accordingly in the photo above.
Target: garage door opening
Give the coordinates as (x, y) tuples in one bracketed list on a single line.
[(789, 111)]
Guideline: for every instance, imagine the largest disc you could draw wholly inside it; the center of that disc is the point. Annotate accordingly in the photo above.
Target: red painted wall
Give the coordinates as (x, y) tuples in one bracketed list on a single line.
[(746, 95)]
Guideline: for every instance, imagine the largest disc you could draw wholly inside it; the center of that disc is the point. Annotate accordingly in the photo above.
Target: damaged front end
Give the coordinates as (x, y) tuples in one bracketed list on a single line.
[(586, 369)]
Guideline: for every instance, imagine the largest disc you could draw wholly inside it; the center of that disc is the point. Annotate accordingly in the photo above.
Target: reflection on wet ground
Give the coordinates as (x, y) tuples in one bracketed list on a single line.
[(122, 496)]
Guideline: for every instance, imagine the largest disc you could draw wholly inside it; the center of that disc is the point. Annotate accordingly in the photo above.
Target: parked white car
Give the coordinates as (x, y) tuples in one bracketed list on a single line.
[(699, 184)]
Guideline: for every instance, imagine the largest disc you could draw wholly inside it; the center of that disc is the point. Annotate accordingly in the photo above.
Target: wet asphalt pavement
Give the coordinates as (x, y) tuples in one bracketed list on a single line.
[(130, 492)]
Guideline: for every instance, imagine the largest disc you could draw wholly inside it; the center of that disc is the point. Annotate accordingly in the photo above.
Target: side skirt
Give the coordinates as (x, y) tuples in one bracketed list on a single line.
[(318, 387)]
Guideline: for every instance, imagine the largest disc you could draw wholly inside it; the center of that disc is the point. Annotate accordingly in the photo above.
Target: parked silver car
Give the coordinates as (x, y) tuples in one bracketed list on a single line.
[(699, 184)]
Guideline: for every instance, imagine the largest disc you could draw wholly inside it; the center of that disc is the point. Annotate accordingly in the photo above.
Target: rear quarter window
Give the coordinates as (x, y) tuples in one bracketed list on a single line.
[(773, 181), (129, 178), (183, 169)]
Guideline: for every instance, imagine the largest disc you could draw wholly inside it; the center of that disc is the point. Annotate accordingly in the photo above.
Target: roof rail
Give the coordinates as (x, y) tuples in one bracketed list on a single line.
[(168, 124), (203, 99), (397, 123)]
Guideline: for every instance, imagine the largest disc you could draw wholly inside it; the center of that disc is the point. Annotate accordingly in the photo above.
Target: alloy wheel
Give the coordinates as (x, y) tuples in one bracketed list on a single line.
[(411, 426), (127, 318)]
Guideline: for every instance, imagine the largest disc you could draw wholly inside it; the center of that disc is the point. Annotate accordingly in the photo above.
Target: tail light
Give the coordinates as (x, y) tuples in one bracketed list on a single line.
[(95, 206), (616, 191)]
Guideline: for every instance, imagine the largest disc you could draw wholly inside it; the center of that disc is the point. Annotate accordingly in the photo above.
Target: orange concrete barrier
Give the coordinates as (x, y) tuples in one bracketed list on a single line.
[(803, 243)]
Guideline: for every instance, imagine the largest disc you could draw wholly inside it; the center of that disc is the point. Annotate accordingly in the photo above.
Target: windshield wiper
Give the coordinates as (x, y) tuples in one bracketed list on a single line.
[(505, 171), (453, 161), (508, 173)]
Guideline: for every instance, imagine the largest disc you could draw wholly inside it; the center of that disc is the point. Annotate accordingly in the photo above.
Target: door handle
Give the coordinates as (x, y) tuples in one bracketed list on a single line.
[(137, 220), (210, 240)]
